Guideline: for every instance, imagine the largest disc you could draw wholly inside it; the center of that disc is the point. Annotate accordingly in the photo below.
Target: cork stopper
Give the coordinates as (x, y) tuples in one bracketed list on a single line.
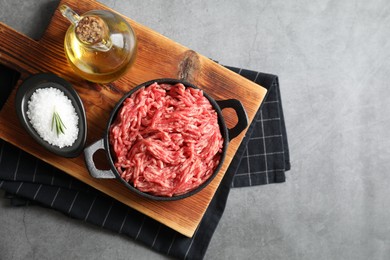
[(91, 30)]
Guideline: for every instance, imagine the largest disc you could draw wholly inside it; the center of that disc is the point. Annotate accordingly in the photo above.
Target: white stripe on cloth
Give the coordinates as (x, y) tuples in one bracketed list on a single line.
[(35, 170), (17, 165), (90, 208), (108, 212), (257, 75), (52, 179), (36, 193), (71, 206), (20, 186), (280, 123), (268, 136), (170, 246), (262, 154), (270, 119), (140, 228), (265, 149), (155, 237), (249, 166), (55, 197), (270, 101), (192, 241), (260, 172), (124, 220)]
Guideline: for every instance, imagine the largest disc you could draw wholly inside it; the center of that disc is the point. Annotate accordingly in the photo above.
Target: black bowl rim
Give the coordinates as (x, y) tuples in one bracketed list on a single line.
[(221, 122), (44, 80)]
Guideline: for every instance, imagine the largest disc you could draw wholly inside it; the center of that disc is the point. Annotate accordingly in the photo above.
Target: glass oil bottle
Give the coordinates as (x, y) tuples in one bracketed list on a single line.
[(100, 45)]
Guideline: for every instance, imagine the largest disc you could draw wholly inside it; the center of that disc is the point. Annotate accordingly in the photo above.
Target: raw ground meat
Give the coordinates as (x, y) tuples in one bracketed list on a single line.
[(166, 139)]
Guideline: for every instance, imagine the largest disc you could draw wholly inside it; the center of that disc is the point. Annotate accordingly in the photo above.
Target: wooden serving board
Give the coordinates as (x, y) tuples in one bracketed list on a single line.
[(158, 57)]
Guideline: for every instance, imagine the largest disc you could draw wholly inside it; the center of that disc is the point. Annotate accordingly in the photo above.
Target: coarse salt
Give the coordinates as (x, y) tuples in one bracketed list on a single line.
[(41, 106)]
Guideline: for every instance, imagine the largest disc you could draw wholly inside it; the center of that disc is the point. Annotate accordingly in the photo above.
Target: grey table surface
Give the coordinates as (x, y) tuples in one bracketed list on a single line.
[(333, 60)]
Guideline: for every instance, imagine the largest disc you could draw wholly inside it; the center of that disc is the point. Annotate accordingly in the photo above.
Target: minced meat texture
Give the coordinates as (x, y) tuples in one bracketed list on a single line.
[(166, 139)]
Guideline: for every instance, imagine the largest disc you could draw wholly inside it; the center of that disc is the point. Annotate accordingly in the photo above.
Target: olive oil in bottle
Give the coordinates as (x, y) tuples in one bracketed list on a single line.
[(100, 45)]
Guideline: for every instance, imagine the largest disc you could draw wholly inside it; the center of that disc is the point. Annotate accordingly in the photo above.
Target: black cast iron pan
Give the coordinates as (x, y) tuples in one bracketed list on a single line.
[(227, 134)]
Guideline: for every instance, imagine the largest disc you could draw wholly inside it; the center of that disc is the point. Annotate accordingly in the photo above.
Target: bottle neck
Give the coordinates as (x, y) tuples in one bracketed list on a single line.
[(91, 30)]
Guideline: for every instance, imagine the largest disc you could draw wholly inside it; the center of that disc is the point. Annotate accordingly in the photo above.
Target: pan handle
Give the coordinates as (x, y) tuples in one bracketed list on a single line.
[(88, 155), (241, 115)]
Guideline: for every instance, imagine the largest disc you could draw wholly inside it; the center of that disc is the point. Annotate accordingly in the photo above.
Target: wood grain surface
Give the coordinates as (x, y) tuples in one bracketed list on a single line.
[(157, 57)]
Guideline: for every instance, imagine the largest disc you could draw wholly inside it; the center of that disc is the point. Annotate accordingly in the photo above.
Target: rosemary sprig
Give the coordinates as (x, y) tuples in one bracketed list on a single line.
[(56, 122)]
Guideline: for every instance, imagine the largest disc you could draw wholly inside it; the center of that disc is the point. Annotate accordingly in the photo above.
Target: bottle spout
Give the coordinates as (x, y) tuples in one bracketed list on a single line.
[(68, 13), (91, 30)]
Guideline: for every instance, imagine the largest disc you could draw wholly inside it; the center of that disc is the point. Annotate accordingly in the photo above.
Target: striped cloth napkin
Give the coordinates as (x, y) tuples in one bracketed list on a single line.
[(262, 158)]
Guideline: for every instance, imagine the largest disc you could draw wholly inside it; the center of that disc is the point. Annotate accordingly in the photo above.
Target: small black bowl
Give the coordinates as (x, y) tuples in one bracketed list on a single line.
[(47, 80)]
